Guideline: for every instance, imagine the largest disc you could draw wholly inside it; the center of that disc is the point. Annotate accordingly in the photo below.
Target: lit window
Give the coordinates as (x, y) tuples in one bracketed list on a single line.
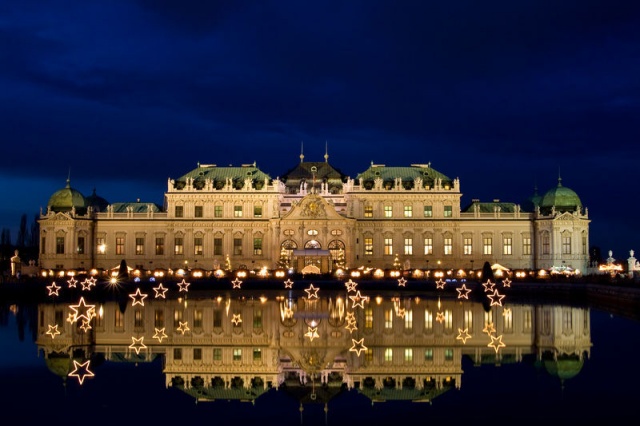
[(408, 246), (257, 246), (179, 246), (408, 211), (198, 246), (388, 246), (526, 246), (217, 211), (507, 246), (257, 211), (467, 246), (159, 245), (237, 354), (428, 246), (388, 354), (368, 246), (448, 211), (237, 211), (388, 211), (80, 245), (139, 245), (368, 211), (408, 355), (120, 245), (448, 246), (428, 211), (487, 246)]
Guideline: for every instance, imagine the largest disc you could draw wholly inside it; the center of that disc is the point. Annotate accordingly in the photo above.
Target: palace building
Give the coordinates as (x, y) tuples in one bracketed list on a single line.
[(314, 218)]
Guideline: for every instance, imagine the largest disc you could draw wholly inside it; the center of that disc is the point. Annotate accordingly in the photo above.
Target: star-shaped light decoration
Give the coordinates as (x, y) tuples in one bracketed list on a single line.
[(312, 333), (53, 331), (82, 310), (401, 312), (463, 292), (463, 335), (496, 343), (288, 283), (496, 298), (351, 326), (81, 371), (54, 289), (184, 327), (440, 317), (71, 318), (489, 328), (237, 283), (86, 326), (358, 346), (72, 282), (506, 312), (488, 286), (160, 334), (160, 291), (88, 283), (358, 300), (440, 284), (350, 316), (137, 344), (506, 282), (312, 292), (184, 286), (402, 281), (138, 298), (236, 319), (351, 286)]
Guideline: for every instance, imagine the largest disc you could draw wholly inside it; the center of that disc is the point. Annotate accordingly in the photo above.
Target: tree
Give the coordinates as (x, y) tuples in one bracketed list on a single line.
[(23, 236), (34, 239)]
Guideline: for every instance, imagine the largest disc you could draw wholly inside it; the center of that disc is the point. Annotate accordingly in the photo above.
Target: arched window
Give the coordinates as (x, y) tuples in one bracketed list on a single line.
[(312, 244)]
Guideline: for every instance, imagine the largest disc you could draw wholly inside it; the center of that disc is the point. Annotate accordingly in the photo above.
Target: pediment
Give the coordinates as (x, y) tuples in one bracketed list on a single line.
[(314, 207), (565, 216), (60, 216)]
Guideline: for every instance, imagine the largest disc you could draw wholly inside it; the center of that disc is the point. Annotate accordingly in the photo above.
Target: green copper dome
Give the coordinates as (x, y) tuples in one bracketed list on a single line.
[(66, 199), (565, 367), (562, 198)]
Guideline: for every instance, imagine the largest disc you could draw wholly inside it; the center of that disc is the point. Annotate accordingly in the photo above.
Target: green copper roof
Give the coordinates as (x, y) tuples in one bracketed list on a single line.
[(136, 207), (220, 175), (407, 174), (490, 207), (66, 199), (562, 198)]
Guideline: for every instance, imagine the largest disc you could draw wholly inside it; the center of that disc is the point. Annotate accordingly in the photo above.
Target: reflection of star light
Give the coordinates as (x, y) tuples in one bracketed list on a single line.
[(312, 333), (237, 283), (288, 284), (463, 335), (137, 344), (184, 286), (506, 282), (160, 334), (81, 371), (401, 312), (160, 291), (183, 327), (82, 310), (358, 346), (350, 317), (53, 331), (237, 319), (506, 312), (488, 286), (496, 298), (463, 292), (402, 281), (85, 325), (351, 286), (88, 283), (440, 283), (53, 289), (351, 326), (496, 343), (312, 292), (489, 328), (440, 317), (72, 282), (138, 298), (358, 300)]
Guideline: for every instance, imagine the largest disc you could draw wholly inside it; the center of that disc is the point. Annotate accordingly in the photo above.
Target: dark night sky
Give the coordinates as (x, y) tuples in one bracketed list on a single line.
[(505, 95)]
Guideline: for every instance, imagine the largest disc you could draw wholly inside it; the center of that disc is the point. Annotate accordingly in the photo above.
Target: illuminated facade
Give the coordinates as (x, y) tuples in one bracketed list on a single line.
[(314, 216)]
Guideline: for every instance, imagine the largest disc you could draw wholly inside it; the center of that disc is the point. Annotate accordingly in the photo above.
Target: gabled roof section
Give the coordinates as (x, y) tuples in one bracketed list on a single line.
[(307, 170), (408, 174), (136, 207)]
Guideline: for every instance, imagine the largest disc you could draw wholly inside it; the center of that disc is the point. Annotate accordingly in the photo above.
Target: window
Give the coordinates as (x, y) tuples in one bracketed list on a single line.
[(448, 354), (368, 356), (487, 244), (139, 245), (217, 211), (217, 318), (468, 319), (527, 321), (197, 354), (59, 245), (118, 319), (408, 319), (257, 246), (257, 211), (428, 246), (584, 244), (120, 245), (507, 321), (159, 246), (428, 211), (43, 244), (179, 211), (368, 246), (368, 211), (237, 246), (428, 354), (448, 246), (336, 232), (237, 354), (408, 355), (138, 319), (507, 246), (237, 211), (217, 246), (158, 321), (546, 244), (257, 354), (257, 319), (217, 354), (177, 354), (448, 211), (101, 246), (197, 318), (388, 319), (198, 211), (566, 244), (467, 246), (80, 248), (428, 320), (179, 246), (312, 232), (388, 354), (408, 246), (368, 318), (408, 211), (388, 211), (526, 246), (388, 246), (198, 247)]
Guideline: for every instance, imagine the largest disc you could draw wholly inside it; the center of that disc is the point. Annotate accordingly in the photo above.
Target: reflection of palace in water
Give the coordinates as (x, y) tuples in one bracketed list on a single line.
[(310, 344)]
